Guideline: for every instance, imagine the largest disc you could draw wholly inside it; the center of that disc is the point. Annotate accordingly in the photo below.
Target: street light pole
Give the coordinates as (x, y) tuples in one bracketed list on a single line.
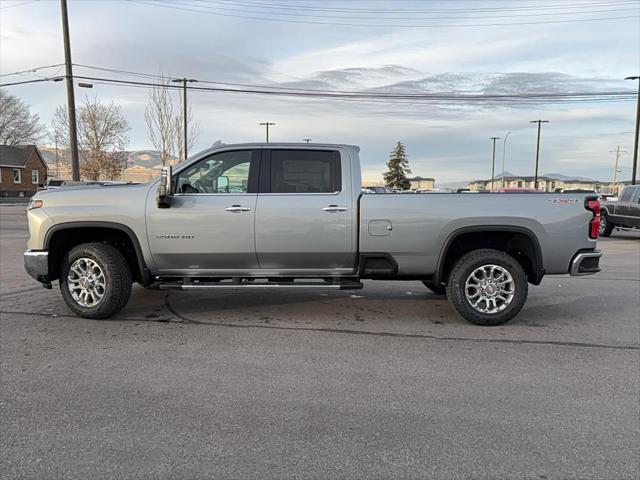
[(266, 124), (635, 145), (184, 110), (493, 162), (535, 179), (504, 147), (71, 101)]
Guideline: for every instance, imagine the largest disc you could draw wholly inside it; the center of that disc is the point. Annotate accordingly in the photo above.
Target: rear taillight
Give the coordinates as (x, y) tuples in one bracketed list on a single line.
[(594, 225)]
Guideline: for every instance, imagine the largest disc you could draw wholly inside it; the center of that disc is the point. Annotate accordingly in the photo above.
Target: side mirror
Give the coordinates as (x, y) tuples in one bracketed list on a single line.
[(163, 196)]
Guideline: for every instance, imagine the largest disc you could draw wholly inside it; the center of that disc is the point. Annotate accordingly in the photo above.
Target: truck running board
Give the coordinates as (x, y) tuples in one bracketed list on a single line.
[(258, 283)]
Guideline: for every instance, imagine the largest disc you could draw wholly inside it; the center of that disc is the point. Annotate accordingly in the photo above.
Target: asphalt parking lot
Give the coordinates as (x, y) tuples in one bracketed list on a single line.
[(386, 382)]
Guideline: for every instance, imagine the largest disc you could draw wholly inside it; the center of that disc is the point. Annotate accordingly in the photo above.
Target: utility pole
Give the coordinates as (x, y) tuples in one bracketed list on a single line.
[(71, 101), (504, 146), (635, 145), (493, 162), (539, 122), (266, 124), (184, 110), (617, 151), (307, 140)]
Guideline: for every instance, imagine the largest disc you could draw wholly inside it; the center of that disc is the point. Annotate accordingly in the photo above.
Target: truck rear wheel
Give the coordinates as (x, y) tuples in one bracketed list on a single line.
[(487, 287), (95, 280)]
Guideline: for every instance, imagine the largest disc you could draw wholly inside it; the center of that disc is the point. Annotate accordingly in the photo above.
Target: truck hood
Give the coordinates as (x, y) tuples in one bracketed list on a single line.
[(97, 194)]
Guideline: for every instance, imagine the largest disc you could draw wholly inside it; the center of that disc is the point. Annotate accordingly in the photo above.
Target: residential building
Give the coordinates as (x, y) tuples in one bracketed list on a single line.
[(545, 183), (22, 170), (421, 182)]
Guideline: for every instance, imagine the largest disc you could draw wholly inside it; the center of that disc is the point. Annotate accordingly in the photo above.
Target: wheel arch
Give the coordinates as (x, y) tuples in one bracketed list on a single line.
[(61, 238), (520, 242)]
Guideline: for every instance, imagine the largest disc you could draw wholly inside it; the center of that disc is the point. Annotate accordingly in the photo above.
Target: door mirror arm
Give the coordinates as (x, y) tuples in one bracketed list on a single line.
[(163, 195)]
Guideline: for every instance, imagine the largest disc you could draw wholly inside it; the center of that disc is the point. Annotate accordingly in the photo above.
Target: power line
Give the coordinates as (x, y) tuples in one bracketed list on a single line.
[(18, 4), (267, 10), (631, 93), (32, 70), (314, 22), (444, 98), (37, 80), (554, 6)]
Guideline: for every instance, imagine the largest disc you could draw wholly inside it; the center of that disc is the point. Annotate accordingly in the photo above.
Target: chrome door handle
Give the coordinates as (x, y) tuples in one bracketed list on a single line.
[(335, 208), (237, 208)]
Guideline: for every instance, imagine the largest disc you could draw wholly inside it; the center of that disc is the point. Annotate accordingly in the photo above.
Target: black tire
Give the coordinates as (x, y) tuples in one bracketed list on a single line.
[(437, 289), (606, 227), (463, 269), (117, 279)]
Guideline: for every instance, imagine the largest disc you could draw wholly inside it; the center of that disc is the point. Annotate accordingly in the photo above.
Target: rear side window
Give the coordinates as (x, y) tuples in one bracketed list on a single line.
[(305, 171), (626, 194)]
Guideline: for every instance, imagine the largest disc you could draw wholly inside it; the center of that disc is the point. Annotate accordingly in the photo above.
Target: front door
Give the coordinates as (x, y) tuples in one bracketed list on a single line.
[(209, 227), (304, 214)]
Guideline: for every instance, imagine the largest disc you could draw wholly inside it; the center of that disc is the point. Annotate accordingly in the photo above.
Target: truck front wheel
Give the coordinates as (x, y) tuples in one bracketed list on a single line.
[(487, 287), (95, 280)]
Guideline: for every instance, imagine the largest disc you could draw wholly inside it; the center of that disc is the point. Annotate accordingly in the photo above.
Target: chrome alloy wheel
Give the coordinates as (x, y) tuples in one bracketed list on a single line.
[(86, 282), (489, 289)]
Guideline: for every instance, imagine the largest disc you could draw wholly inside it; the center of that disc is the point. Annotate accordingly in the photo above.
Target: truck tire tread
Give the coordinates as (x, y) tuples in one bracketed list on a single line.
[(118, 279), (463, 268)]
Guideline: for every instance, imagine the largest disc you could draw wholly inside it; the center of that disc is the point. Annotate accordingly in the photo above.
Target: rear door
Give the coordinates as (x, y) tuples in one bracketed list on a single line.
[(304, 213), (209, 227)]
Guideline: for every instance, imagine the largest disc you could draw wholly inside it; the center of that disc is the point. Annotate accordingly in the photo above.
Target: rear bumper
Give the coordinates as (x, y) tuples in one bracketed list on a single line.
[(36, 263), (585, 263)]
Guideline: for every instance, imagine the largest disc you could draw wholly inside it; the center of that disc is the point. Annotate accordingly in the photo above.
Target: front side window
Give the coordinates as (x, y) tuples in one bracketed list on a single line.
[(34, 176), (16, 175), (226, 172), (305, 171)]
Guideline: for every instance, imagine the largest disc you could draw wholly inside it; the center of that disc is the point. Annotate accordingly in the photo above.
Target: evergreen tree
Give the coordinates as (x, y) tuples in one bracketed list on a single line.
[(398, 168)]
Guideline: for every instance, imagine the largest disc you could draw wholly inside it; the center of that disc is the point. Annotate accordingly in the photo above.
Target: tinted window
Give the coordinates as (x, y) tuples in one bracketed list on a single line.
[(626, 194), (305, 171), (226, 172), (636, 197)]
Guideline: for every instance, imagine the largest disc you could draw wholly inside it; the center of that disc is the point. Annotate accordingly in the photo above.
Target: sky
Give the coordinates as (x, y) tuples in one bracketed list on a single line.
[(402, 46)]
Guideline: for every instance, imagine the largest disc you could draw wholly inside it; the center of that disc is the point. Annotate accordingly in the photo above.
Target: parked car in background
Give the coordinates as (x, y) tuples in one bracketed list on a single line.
[(52, 184), (379, 190), (623, 213)]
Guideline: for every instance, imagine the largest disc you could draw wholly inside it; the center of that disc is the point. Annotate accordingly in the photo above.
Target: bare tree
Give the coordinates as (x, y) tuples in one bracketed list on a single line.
[(165, 124), (102, 137), (17, 123), (160, 119)]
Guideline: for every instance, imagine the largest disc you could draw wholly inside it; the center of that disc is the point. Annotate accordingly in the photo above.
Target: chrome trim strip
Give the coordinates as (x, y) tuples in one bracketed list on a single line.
[(36, 263), (579, 258)]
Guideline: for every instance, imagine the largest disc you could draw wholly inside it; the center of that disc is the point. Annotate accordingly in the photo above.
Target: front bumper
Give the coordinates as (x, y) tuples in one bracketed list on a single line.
[(586, 263), (36, 263)]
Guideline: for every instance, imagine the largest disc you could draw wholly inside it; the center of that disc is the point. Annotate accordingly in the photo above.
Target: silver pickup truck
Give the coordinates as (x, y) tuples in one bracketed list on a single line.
[(293, 216)]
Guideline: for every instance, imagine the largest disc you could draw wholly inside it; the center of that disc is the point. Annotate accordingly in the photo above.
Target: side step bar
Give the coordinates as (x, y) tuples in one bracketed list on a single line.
[(199, 285)]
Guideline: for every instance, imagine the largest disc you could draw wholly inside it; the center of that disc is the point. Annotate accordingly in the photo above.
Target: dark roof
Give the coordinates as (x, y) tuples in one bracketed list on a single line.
[(17, 156), (417, 179)]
